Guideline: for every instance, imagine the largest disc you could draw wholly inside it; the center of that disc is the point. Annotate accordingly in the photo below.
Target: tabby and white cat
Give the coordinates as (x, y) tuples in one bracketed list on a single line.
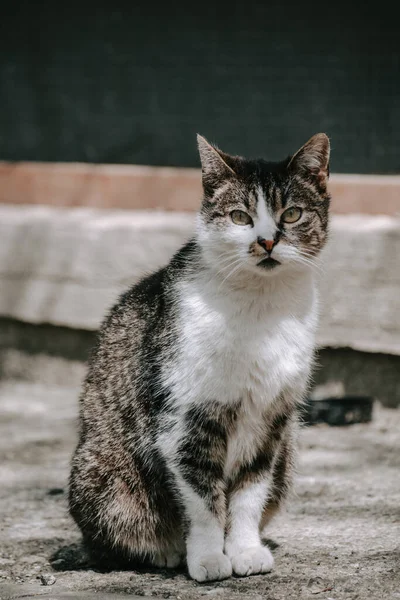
[(188, 413)]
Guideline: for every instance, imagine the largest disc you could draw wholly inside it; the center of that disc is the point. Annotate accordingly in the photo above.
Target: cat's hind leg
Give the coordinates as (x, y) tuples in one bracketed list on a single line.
[(120, 515), (170, 559)]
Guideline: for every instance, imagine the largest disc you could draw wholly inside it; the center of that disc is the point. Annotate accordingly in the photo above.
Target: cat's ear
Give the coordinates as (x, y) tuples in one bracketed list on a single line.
[(214, 166), (312, 160)]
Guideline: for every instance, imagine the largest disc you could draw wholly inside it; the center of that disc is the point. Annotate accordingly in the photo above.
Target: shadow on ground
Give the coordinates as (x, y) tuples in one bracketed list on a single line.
[(75, 557)]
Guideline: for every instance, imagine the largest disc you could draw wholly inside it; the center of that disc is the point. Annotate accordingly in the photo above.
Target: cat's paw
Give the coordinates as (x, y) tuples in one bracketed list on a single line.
[(210, 567), (252, 561), (169, 560)]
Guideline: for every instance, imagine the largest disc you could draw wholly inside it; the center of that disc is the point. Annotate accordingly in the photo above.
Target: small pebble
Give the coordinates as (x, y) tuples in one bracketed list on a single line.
[(47, 579)]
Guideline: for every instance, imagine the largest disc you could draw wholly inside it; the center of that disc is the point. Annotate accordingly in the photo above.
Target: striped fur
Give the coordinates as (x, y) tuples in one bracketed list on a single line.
[(188, 414)]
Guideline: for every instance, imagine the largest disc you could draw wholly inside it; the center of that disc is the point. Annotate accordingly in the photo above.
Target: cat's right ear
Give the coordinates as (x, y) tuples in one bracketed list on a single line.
[(214, 166)]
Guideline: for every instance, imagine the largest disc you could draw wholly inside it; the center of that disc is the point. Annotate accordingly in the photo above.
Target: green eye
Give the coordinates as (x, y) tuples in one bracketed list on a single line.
[(239, 217), (291, 215)]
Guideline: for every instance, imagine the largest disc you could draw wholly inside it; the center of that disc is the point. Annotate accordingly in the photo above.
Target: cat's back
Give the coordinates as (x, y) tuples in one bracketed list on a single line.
[(143, 304), (135, 335)]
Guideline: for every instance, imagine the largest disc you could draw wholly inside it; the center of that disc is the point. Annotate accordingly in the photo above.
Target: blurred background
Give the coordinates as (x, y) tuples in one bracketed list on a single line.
[(99, 110), (132, 82), (100, 104)]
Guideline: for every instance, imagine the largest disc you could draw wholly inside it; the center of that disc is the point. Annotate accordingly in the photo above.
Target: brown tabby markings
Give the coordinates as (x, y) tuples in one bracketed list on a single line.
[(203, 452), (123, 491)]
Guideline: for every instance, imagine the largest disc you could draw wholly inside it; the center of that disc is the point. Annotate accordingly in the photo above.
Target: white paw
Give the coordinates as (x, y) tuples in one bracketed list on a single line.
[(252, 561), (211, 567), (171, 560)]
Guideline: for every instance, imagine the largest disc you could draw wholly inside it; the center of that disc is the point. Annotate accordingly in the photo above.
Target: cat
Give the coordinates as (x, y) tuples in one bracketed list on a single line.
[(189, 412)]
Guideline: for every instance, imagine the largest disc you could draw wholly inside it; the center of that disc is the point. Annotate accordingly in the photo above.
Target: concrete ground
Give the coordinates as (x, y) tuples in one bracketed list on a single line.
[(339, 538)]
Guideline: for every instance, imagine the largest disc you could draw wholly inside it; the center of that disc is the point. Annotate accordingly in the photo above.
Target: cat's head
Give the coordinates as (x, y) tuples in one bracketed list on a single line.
[(262, 216)]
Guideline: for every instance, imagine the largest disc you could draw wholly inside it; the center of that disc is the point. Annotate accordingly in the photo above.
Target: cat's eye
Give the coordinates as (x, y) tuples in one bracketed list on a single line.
[(291, 215), (239, 217)]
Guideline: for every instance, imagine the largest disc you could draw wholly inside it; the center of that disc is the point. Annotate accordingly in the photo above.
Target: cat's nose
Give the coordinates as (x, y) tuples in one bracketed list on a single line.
[(266, 244)]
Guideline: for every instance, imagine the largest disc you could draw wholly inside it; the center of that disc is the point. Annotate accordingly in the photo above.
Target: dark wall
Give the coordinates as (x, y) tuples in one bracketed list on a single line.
[(127, 82)]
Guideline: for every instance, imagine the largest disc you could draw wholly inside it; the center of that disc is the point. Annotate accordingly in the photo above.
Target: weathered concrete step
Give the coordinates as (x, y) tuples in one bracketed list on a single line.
[(67, 266)]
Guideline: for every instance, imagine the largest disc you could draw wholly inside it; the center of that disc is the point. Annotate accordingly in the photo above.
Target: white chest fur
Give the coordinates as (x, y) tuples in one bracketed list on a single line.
[(232, 347), (242, 347)]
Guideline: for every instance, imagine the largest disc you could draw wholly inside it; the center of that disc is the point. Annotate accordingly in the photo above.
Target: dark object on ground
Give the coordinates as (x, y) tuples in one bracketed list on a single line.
[(55, 491), (338, 411)]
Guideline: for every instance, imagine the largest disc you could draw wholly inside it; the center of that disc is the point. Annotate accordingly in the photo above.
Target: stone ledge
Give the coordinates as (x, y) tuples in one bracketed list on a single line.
[(67, 266), (143, 187), (360, 305)]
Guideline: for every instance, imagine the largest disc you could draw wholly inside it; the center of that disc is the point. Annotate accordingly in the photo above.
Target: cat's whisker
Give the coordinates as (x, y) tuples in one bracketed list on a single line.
[(230, 258), (316, 259), (308, 259), (309, 253), (226, 255), (315, 264), (229, 265), (234, 270), (308, 263)]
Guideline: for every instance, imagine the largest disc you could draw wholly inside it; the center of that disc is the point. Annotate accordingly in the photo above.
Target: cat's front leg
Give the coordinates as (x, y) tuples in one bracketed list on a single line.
[(258, 487), (198, 471), (243, 544), (206, 560)]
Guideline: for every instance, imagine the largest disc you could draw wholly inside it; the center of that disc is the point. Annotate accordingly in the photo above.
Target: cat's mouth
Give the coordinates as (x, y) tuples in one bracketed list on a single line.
[(268, 263)]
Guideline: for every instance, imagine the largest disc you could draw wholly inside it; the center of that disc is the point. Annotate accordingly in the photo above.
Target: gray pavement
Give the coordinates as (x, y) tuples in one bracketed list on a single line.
[(339, 538)]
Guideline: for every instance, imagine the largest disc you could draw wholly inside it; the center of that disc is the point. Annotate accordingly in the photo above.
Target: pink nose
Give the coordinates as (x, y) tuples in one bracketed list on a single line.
[(267, 244)]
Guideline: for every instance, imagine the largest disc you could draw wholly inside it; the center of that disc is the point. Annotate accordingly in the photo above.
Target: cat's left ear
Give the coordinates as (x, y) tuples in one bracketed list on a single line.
[(312, 160), (215, 166)]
